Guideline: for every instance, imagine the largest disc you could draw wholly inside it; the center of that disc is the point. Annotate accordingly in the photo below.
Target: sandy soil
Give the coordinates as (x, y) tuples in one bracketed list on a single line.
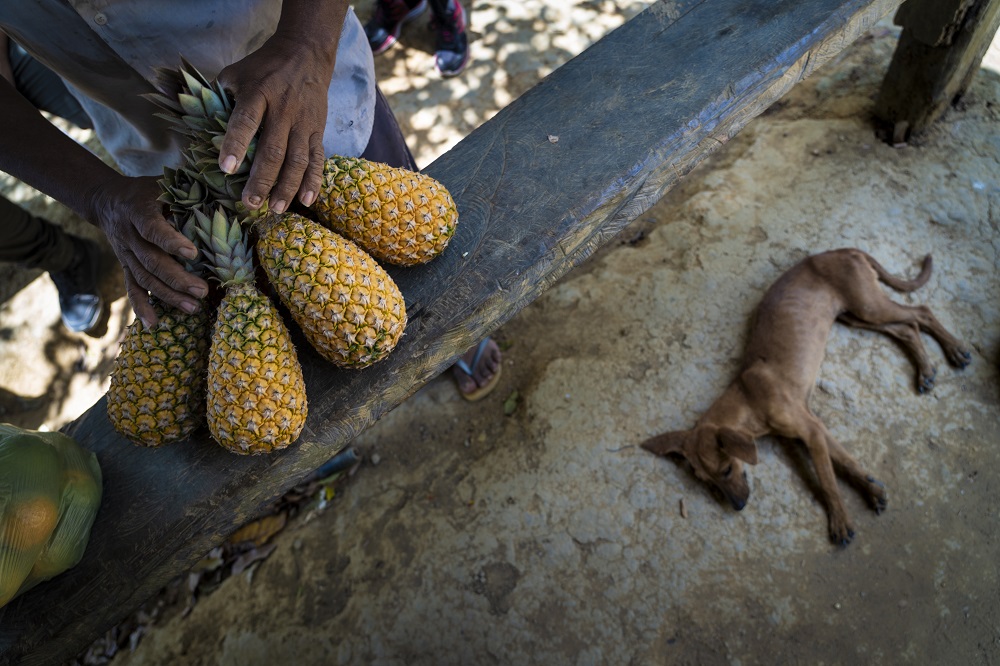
[(529, 529)]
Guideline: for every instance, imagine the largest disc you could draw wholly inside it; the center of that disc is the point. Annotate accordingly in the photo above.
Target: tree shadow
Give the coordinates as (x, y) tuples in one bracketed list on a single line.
[(73, 362), (512, 48)]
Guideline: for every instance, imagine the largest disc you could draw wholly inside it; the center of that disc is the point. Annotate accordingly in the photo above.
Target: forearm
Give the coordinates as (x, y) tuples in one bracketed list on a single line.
[(314, 29), (36, 152), (314, 25), (281, 90)]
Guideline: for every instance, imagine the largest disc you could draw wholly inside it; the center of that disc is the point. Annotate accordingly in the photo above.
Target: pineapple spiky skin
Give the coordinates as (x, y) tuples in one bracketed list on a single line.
[(157, 392), (347, 306), (399, 216), (256, 391)]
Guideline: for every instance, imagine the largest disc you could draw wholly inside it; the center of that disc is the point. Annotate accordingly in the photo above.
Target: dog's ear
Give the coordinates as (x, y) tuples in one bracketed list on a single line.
[(738, 445), (668, 443)]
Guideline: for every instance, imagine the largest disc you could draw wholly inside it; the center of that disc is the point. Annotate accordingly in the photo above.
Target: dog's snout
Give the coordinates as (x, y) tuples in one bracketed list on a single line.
[(739, 494)]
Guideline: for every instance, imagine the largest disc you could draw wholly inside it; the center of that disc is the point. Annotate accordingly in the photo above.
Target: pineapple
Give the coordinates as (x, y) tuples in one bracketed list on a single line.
[(157, 391), (346, 304), (256, 391), (399, 216)]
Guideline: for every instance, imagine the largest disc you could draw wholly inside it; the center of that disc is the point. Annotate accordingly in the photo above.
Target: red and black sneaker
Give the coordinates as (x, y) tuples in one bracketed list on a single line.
[(390, 15), (452, 41)]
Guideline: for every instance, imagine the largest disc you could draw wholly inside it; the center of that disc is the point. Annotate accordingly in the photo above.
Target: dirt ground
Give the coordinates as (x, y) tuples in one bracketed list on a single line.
[(529, 528)]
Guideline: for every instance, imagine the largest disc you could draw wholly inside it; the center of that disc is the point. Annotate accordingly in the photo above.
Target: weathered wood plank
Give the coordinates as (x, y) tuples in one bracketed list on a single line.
[(940, 50), (633, 114), (933, 23)]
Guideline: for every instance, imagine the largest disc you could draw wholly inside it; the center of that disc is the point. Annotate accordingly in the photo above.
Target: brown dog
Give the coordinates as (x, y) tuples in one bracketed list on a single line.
[(785, 349)]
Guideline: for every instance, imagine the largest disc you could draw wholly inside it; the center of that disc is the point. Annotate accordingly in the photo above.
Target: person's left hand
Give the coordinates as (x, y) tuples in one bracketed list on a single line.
[(128, 212), (280, 89)]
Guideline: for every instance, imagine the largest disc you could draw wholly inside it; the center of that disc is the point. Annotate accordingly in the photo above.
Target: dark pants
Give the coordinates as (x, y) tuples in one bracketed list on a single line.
[(24, 238), (439, 8), (387, 144)]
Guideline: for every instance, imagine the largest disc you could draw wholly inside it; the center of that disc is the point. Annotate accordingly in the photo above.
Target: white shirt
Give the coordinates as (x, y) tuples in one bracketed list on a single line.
[(107, 52)]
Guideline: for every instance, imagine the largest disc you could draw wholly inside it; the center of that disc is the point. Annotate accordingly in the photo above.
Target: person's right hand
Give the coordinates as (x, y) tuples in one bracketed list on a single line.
[(146, 244)]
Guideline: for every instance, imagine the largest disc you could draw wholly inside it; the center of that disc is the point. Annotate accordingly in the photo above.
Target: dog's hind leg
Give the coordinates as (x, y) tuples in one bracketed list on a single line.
[(904, 322), (873, 307), (954, 350), (909, 336)]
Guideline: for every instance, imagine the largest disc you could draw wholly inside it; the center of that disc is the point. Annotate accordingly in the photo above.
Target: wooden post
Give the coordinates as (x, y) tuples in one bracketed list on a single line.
[(940, 49)]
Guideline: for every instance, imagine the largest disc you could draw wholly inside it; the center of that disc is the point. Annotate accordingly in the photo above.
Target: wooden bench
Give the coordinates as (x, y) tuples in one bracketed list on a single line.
[(632, 114)]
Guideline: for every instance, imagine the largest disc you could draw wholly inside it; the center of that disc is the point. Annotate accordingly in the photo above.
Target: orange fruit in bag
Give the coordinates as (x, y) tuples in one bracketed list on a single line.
[(30, 521)]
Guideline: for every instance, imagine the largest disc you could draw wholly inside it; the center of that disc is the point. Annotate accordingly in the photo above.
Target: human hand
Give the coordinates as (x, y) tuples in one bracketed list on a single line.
[(280, 89), (128, 212)]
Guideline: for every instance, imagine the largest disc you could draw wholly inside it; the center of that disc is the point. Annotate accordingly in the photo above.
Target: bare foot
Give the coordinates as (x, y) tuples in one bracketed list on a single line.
[(478, 371)]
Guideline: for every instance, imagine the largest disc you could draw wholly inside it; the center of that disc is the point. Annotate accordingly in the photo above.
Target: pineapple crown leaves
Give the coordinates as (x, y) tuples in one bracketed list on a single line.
[(199, 110), (184, 189), (225, 246), (196, 108), (186, 92), (203, 190), (181, 193), (199, 265), (181, 189), (201, 181), (244, 166), (203, 156)]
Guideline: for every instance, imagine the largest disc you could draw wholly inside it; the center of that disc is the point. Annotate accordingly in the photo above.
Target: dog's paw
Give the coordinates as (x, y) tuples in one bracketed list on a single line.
[(841, 532), (925, 381), (876, 494), (959, 357)]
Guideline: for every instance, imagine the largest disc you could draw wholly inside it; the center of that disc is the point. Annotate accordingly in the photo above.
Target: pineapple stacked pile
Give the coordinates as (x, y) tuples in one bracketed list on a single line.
[(244, 377)]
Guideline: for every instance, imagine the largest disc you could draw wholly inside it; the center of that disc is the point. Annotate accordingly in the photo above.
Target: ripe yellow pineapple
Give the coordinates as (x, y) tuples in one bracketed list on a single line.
[(346, 304), (399, 216), (256, 392), (157, 392)]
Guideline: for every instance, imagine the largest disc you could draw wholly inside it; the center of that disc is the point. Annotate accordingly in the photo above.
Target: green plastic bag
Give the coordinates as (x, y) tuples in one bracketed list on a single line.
[(50, 490)]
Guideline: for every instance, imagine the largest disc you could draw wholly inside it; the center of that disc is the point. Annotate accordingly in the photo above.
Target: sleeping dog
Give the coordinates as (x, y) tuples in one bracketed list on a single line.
[(786, 346)]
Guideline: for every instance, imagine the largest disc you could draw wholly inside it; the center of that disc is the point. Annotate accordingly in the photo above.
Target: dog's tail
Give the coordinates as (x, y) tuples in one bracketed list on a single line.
[(898, 283)]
